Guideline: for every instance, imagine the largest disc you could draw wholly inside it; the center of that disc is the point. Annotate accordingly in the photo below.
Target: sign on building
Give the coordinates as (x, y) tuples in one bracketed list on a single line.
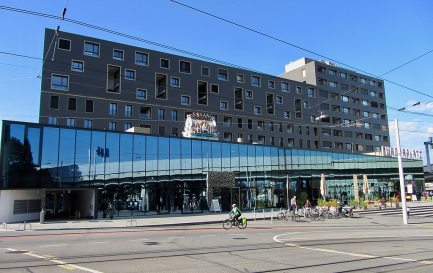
[(405, 153), (199, 125)]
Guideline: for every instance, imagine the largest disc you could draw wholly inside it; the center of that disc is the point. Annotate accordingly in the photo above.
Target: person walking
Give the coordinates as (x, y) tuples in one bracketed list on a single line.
[(293, 205)]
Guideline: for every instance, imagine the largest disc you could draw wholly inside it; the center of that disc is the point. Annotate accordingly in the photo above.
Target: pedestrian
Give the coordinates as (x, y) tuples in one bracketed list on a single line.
[(307, 204), (293, 205)]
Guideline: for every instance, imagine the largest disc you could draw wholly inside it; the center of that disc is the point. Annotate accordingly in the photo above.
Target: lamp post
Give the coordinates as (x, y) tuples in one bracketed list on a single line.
[(401, 175), (427, 154)]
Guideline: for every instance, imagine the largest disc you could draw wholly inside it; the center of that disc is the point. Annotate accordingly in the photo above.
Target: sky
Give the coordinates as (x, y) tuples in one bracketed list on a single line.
[(374, 36)]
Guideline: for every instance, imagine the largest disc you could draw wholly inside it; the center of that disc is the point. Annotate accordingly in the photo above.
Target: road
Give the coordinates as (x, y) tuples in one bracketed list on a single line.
[(346, 245)]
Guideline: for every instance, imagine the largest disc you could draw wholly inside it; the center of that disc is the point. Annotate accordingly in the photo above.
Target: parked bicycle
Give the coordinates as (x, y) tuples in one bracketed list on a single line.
[(289, 215), (241, 223)]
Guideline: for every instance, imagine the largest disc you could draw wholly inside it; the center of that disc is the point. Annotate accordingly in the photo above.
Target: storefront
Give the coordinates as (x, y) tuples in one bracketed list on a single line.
[(137, 173)]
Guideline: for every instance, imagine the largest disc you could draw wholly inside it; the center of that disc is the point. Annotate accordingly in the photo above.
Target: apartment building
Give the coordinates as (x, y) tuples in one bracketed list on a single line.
[(98, 84)]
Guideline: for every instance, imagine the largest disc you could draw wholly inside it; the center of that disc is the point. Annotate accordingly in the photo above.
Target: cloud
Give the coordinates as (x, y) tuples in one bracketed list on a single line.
[(423, 107)]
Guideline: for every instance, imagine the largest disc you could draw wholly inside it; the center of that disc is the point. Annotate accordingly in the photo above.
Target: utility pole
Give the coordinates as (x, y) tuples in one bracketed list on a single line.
[(427, 153)]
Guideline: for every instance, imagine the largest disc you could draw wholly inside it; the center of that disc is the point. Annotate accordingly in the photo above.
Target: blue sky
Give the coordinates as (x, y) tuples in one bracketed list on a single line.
[(375, 36)]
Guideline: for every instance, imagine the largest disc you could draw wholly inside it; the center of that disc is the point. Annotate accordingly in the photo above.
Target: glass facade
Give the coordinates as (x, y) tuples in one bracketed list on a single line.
[(170, 174)]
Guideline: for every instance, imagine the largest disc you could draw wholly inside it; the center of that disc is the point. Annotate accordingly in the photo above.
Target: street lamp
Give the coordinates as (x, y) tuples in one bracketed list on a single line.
[(427, 153)]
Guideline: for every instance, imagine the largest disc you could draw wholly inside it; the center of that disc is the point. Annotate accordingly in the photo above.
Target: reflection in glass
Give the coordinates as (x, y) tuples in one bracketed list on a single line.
[(97, 156), (151, 158), (163, 160), (33, 137), (66, 168), (110, 156), (125, 158), (50, 146), (82, 156), (139, 158)]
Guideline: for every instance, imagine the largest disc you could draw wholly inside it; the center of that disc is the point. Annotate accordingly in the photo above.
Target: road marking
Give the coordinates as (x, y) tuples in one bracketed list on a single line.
[(240, 234), (53, 245), (139, 240), (66, 267), (103, 242), (210, 235), (49, 256), (175, 238), (61, 263), (400, 259)]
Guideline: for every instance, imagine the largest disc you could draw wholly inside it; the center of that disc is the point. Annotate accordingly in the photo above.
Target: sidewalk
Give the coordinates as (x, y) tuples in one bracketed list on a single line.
[(173, 220)]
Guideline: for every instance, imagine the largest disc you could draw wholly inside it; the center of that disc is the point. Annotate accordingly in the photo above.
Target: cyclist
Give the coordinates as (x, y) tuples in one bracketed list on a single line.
[(236, 212)]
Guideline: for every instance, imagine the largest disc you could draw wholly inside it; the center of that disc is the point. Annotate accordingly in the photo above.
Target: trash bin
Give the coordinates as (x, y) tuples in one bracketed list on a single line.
[(42, 216)]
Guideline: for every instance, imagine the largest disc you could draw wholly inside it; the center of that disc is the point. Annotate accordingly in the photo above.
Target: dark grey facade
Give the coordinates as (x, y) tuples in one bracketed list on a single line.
[(93, 83)]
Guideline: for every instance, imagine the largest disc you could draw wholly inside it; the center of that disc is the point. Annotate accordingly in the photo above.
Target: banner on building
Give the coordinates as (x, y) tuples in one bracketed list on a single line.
[(355, 187), (199, 125)]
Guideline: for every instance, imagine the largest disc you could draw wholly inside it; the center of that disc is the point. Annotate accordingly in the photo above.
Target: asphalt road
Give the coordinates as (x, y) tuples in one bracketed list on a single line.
[(347, 245)]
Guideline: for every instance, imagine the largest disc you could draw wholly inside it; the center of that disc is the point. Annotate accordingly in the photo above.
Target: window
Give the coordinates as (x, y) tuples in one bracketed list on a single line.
[(285, 87), (362, 80), (255, 81), (298, 90), (128, 110), (202, 92), (373, 94), (185, 100), (240, 122), (77, 66), (70, 122), (260, 125), (365, 102), (345, 110), (205, 71), (214, 88), (223, 74), (113, 79), (174, 131), (332, 72), (174, 115), (353, 78), (271, 84), (118, 54), (344, 86), (91, 49), (164, 63), (239, 101), (365, 114), (306, 104), (161, 82), (72, 104), (227, 122), (54, 102), (112, 126), (223, 105), (249, 94), (310, 92), (161, 114), (141, 94), (250, 124), (271, 126), (298, 108), (366, 125), (59, 82), (175, 82), (312, 119), (287, 114), (145, 112), (333, 84), (257, 110), (52, 120), (64, 44), (343, 75), (321, 69), (270, 103), (141, 58), (129, 74), (127, 126), (112, 111), (89, 106), (88, 123), (344, 98), (279, 99), (240, 78), (184, 67), (290, 142)]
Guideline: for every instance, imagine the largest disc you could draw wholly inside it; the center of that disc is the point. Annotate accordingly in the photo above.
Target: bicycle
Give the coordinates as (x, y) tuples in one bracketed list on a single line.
[(292, 215), (228, 223)]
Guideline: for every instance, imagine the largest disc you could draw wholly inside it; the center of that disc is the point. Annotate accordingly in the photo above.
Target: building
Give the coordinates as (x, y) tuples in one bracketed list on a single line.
[(93, 83), (116, 123), (77, 172)]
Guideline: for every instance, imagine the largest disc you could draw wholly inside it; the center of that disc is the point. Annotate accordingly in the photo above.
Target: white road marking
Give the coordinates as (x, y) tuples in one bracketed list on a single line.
[(210, 235), (53, 245), (175, 238), (103, 242), (61, 263), (139, 240), (239, 234)]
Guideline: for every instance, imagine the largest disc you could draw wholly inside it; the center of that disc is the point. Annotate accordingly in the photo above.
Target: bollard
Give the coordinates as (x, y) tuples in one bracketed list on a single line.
[(42, 217), (264, 214)]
